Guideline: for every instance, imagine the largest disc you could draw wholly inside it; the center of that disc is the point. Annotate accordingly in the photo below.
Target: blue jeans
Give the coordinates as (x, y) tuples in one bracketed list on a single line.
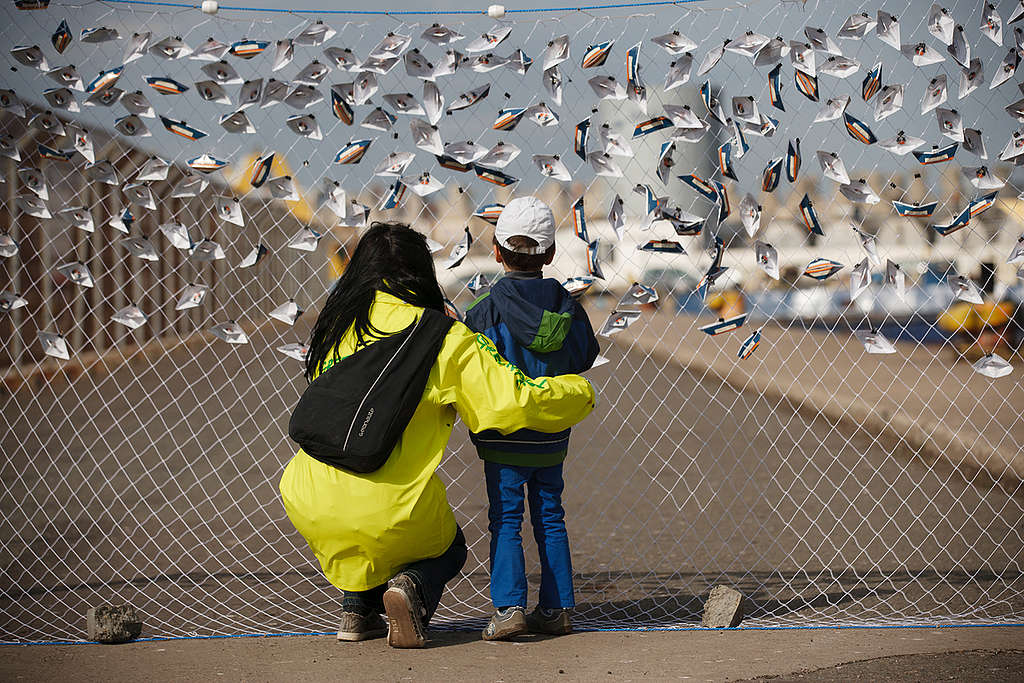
[(508, 568), (429, 575)]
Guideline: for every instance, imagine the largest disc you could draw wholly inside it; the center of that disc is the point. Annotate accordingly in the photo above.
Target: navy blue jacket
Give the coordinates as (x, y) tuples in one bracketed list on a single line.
[(542, 330)]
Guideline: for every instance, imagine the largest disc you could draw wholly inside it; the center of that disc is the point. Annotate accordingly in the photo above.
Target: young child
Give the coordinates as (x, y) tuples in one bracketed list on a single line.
[(541, 329)]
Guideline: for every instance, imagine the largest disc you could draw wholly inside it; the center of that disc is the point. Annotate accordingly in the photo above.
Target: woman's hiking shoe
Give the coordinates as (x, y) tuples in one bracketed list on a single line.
[(553, 622), (506, 623), (355, 626), (405, 613)]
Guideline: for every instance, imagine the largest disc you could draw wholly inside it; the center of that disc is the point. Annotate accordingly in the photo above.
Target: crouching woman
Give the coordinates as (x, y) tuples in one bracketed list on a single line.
[(395, 524)]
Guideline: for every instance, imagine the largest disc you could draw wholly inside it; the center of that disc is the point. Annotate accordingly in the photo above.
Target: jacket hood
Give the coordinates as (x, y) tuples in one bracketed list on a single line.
[(538, 312)]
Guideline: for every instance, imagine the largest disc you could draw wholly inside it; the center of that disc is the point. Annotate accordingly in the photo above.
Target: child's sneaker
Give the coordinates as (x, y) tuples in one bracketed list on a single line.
[(553, 622), (355, 626), (506, 623), (405, 613)]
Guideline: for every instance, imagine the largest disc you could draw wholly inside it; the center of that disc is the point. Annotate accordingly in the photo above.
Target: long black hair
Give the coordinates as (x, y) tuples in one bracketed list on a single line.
[(390, 257)]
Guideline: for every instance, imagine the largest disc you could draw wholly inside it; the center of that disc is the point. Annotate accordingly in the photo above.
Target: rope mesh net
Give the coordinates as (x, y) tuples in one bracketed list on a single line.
[(830, 485)]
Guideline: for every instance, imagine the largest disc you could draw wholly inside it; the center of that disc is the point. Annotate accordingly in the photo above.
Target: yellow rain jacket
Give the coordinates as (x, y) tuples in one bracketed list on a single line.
[(364, 528)]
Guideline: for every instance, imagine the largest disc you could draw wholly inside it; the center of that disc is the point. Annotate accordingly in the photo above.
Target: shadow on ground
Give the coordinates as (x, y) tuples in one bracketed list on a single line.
[(972, 665)]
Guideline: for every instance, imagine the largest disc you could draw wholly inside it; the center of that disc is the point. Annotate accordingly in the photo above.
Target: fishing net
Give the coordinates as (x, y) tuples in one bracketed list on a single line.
[(843, 450)]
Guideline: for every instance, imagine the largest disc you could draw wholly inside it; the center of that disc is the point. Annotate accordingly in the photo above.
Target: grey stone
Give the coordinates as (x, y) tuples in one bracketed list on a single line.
[(723, 609), (113, 623)]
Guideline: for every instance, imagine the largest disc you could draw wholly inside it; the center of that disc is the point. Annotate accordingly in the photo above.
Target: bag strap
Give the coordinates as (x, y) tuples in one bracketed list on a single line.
[(436, 323), (431, 325)]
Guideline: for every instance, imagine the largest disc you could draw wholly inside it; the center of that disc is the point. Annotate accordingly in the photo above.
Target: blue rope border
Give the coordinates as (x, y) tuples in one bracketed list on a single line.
[(577, 630), (395, 13)]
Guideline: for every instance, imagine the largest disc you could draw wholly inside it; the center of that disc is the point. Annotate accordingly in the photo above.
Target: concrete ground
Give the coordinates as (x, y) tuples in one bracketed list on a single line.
[(925, 654)]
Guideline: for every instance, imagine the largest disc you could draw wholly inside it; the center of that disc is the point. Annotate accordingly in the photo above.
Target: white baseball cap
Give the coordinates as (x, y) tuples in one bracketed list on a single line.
[(527, 217)]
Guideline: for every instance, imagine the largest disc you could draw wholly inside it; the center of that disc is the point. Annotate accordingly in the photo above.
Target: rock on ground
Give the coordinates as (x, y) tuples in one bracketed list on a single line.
[(113, 624), (724, 608)]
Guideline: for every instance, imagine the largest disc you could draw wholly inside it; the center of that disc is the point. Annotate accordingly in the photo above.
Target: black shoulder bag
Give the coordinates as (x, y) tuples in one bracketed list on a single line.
[(352, 415)]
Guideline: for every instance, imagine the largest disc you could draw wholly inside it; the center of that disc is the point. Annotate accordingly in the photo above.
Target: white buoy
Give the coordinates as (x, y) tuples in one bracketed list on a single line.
[(496, 11), (210, 6)]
